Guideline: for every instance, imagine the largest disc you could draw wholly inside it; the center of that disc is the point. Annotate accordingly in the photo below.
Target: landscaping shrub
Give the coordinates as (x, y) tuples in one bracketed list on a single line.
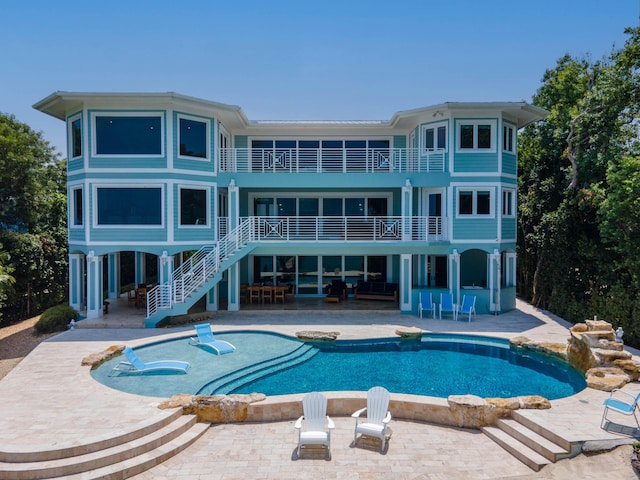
[(56, 319)]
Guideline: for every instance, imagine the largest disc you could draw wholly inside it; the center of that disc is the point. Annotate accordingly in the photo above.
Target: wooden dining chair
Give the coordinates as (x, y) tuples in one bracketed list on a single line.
[(267, 294), (278, 294), (255, 293)]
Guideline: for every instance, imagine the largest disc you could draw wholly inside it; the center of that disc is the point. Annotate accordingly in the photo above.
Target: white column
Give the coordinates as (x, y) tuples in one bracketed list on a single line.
[(141, 267), (165, 268), (454, 275), (405, 299), (113, 275), (94, 286), (407, 209), (494, 281), (76, 281), (213, 304)]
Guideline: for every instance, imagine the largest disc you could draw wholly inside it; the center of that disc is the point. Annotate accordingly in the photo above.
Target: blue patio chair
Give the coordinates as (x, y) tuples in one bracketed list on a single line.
[(468, 306), (426, 303), (621, 402), (446, 305), (135, 365), (207, 340)]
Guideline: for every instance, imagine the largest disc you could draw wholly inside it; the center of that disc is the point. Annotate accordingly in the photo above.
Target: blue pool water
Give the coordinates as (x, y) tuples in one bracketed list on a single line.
[(438, 365)]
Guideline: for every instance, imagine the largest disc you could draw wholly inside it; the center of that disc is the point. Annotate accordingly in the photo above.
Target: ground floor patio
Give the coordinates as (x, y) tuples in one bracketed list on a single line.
[(50, 399)]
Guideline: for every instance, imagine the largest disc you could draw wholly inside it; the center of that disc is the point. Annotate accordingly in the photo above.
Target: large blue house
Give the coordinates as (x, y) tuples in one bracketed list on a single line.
[(425, 201)]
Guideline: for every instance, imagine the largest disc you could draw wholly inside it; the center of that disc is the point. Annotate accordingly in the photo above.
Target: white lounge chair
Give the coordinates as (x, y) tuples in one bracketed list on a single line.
[(468, 306), (426, 303), (446, 305), (621, 402), (311, 425), (378, 416), (135, 365), (206, 339)]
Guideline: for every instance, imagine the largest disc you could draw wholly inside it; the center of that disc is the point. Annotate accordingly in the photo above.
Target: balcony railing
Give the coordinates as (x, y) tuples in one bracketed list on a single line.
[(350, 229), (330, 160)]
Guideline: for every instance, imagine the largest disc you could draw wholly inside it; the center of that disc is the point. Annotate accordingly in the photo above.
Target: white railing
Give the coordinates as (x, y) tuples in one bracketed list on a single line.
[(330, 160), (198, 269), (360, 229)]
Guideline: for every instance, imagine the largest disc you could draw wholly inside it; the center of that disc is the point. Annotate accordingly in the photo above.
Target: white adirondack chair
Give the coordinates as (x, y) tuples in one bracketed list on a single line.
[(311, 425), (378, 416)]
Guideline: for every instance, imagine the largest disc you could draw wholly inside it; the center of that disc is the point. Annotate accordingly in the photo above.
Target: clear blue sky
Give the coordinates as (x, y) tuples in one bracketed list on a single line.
[(298, 59)]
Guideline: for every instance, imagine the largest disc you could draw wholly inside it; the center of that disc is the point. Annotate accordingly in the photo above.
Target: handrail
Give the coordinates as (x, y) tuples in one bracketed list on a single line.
[(331, 160)]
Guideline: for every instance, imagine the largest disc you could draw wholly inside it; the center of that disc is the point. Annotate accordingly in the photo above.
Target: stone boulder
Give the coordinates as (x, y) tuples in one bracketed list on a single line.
[(471, 411), (315, 336), (214, 408), (409, 332), (96, 359), (506, 405), (606, 378), (558, 350)]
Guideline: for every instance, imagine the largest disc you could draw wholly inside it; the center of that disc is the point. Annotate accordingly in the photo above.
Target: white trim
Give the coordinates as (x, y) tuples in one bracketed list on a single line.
[(474, 189), (138, 113), (194, 118), (70, 120), (512, 192), (434, 126), (207, 193), (156, 171), (72, 207), (514, 137)]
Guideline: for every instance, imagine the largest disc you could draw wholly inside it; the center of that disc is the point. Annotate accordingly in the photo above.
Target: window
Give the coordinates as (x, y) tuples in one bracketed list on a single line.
[(474, 202), (75, 137), (193, 135), (128, 135), (508, 139), (434, 137), (129, 206), (193, 206), (78, 212), (476, 136), (508, 203)]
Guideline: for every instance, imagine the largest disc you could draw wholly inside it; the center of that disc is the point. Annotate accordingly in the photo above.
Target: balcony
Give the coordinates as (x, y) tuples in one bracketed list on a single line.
[(327, 160), (344, 229)]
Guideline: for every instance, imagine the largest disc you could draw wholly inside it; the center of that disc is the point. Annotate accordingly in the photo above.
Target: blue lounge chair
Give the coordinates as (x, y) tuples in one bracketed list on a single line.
[(446, 305), (135, 365), (621, 402), (468, 306), (206, 339), (426, 303)]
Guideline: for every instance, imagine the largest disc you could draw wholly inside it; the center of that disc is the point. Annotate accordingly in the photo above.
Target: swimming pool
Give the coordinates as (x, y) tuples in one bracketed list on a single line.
[(439, 365)]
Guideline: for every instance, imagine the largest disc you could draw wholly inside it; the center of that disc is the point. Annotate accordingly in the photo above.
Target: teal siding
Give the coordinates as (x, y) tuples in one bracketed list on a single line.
[(188, 164), (509, 164), (399, 141), (475, 229), (76, 235), (132, 234), (76, 164), (240, 141), (475, 162), (508, 227)]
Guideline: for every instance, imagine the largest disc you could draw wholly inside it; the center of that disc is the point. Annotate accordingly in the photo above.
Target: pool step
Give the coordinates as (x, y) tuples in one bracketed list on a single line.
[(131, 454), (534, 449), (233, 380)]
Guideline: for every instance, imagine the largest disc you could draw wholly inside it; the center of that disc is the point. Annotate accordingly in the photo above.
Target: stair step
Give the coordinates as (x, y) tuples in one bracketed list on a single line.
[(138, 464), (101, 458), (539, 427), (531, 439), (519, 450)]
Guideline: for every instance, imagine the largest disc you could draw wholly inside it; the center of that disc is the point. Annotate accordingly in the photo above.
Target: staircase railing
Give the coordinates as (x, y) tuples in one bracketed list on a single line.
[(198, 269)]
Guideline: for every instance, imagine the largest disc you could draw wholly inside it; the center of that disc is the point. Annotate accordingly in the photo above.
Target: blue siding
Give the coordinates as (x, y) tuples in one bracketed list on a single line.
[(508, 227), (475, 162), (509, 164), (475, 229)]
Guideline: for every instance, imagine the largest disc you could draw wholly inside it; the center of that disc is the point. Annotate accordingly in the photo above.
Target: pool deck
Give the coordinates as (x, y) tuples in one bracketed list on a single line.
[(50, 400)]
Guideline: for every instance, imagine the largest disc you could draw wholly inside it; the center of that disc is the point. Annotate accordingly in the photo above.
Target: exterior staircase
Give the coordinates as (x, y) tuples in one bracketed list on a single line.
[(198, 274), (129, 454), (529, 442)]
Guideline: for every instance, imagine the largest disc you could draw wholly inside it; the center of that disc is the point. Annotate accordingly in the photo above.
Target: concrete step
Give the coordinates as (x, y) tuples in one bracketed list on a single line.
[(519, 450), (128, 448), (539, 427), (531, 439)]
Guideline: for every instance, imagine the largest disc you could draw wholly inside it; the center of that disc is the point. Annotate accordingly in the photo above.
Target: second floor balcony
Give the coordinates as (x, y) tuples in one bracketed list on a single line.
[(330, 160)]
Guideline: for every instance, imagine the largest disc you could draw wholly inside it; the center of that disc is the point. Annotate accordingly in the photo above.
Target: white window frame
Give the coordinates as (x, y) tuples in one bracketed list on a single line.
[(73, 207), (141, 113), (474, 213), (476, 123), (509, 130), (434, 126), (129, 184), (207, 191), (207, 122), (508, 202), (70, 121)]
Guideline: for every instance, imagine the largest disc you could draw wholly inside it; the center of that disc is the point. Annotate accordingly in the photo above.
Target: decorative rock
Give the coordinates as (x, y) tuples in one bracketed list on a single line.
[(558, 350), (214, 408), (629, 367), (505, 406), (606, 378), (535, 402), (409, 332), (579, 327), (471, 411), (316, 336), (96, 359), (593, 325)]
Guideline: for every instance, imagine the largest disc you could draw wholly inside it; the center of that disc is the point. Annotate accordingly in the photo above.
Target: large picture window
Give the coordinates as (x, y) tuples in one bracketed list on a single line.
[(129, 206), (193, 206), (193, 138), (128, 135), (474, 202)]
